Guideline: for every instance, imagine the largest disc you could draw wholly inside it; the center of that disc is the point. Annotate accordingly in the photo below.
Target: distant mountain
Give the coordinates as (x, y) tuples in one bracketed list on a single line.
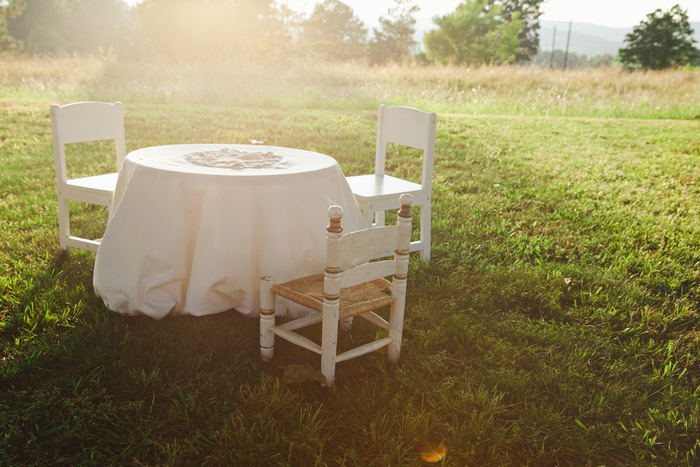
[(590, 39)]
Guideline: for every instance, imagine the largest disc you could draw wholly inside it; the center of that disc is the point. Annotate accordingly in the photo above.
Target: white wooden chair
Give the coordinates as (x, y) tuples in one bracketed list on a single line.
[(378, 192), (338, 294), (77, 123)]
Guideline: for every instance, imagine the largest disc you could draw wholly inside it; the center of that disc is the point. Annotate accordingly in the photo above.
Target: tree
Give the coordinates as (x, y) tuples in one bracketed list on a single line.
[(473, 34), (395, 38), (9, 9), (663, 40), (334, 32), (289, 28), (197, 30), (71, 25), (528, 11), (573, 59), (39, 26)]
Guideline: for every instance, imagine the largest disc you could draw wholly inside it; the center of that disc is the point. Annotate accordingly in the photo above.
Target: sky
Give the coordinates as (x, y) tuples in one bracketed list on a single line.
[(612, 13)]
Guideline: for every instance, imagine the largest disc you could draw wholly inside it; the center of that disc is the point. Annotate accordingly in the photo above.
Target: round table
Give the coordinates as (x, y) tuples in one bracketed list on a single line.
[(194, 226)]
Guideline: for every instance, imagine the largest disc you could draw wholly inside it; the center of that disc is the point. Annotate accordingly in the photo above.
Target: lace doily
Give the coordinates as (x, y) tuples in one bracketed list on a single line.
[(232, 159)]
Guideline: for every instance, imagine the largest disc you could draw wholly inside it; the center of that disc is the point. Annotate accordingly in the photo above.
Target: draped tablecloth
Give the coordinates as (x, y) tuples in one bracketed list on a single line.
[(193, 227)]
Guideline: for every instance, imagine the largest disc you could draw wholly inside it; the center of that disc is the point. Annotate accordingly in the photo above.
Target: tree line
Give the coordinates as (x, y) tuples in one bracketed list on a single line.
[(506, 32), (476, 32), (562, 59)]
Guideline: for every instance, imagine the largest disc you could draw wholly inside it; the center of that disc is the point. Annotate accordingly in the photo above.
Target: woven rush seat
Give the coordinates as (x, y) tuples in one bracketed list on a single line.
[(308, 291)]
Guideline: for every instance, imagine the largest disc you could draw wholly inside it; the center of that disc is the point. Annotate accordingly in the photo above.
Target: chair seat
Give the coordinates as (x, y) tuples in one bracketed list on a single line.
[(308, 291), (105, 183), (380, 187)]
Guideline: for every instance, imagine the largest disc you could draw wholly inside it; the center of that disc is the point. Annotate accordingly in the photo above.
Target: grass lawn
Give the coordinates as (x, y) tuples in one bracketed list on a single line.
[(557, 323)]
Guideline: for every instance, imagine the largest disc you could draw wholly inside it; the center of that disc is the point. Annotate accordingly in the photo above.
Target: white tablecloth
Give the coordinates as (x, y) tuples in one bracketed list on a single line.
[(193, 227)]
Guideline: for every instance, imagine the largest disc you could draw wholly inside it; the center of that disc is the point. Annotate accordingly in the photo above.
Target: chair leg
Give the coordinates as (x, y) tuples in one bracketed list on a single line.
[(425, 231), (63, 223), (396, 326), (267, 318), (329, 340), (346, 324), (379, 218), (369, 217)]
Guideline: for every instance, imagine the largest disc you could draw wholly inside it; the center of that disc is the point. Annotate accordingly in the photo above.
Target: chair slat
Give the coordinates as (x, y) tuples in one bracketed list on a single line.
[(78, 123), (297, 339), (375, 319), (363, 349), (367, 272), (368, 243), (301, 322), (406, 126), (83, 243)]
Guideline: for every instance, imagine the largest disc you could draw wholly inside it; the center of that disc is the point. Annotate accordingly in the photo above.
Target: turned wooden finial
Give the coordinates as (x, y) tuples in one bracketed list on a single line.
[(406, 200), (335, 213)]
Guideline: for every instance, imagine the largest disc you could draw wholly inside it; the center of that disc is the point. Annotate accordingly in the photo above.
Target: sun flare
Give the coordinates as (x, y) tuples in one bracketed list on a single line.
[(433, 452)]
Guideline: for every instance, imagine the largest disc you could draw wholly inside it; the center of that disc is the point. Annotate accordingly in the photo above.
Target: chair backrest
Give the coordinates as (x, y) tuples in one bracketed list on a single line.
[(343, 249), (408, 127), (82, 122)]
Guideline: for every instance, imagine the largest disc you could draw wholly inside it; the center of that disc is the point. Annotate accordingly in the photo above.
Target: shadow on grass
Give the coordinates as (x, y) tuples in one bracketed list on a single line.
[(99, 386)]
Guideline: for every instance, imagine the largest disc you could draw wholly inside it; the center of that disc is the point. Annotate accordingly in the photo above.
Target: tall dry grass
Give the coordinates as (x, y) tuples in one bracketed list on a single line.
[(60, 76), (600, 92), (608, 92)]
